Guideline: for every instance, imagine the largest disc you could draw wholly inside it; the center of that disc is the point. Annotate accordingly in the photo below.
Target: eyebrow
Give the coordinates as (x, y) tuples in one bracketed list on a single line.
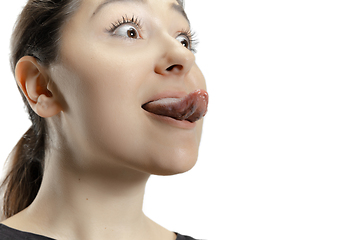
[(177, 7)]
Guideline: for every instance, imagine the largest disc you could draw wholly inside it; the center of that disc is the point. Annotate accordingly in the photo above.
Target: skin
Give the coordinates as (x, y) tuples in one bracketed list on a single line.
[(102, 146)]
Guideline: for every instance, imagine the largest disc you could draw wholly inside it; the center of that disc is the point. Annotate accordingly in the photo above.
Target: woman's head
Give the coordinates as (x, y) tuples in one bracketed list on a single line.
[(87, 73)]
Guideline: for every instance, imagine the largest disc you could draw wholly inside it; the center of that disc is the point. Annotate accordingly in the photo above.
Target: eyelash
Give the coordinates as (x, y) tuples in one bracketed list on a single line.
[(125, 19), (137, 23)]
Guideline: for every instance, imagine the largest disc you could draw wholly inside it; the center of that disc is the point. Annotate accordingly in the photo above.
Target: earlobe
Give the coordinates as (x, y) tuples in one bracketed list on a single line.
[(33, 80)]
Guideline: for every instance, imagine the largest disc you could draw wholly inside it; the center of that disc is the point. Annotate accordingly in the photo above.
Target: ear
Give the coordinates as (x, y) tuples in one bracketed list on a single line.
[(33, 80)]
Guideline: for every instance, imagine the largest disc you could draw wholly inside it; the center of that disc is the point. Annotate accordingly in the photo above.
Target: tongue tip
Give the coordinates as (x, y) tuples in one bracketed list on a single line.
[(201, 92), (202, 105)]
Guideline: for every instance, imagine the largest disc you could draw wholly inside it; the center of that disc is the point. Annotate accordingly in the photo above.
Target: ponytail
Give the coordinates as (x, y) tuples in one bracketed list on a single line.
[(37, 33), (23, 181)]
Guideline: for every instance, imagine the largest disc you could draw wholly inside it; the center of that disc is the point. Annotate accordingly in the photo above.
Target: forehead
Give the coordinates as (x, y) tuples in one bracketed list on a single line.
[(177, 5)]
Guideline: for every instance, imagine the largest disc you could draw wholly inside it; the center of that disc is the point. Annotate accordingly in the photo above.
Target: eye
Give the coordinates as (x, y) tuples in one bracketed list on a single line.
[(184, 40), (126, 30), (188, 40)]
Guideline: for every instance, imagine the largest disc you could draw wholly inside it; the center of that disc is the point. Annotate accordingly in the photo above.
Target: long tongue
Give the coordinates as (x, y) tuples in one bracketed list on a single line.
[(192, 107)]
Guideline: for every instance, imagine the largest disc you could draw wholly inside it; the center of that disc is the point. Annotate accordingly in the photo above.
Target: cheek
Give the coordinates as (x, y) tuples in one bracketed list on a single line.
[(104, 81), (101, 92)]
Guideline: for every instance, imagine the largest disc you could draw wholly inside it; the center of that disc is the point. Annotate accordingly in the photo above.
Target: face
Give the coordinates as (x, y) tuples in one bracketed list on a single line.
[(114, 57)]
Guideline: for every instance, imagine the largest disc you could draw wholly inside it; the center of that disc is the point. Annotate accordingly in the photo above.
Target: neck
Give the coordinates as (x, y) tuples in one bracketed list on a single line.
[(78, 203)]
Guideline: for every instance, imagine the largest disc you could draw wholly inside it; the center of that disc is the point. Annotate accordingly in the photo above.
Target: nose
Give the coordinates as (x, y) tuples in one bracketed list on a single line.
[(175, 59)]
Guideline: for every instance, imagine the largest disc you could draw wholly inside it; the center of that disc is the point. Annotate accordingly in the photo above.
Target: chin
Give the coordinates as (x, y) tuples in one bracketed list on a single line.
[(177, 169), (177, 163)]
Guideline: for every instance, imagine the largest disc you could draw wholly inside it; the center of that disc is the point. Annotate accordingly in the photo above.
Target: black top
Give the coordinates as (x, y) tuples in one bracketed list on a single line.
[(8, 233)]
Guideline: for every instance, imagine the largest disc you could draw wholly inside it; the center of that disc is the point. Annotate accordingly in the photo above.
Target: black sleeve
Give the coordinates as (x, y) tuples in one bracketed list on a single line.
[(8, 233), (183, 237)]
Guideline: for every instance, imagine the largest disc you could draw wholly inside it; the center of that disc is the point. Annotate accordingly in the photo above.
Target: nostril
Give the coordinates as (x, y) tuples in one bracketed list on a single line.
[(175, 66)]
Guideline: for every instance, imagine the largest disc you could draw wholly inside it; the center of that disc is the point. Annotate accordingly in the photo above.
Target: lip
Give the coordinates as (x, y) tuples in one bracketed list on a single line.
[(184, 124)]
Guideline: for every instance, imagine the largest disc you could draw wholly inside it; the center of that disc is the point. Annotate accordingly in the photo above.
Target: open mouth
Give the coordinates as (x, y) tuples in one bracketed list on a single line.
[(192, 107)]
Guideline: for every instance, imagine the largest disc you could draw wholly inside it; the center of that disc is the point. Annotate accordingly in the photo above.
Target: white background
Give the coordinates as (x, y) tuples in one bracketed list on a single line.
[(281, 145)]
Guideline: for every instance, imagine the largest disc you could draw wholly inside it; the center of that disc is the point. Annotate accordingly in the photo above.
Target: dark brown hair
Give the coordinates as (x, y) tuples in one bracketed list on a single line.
[(37, 33)]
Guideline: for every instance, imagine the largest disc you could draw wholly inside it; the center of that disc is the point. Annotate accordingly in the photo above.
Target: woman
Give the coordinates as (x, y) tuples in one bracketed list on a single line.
[(114, 95)]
